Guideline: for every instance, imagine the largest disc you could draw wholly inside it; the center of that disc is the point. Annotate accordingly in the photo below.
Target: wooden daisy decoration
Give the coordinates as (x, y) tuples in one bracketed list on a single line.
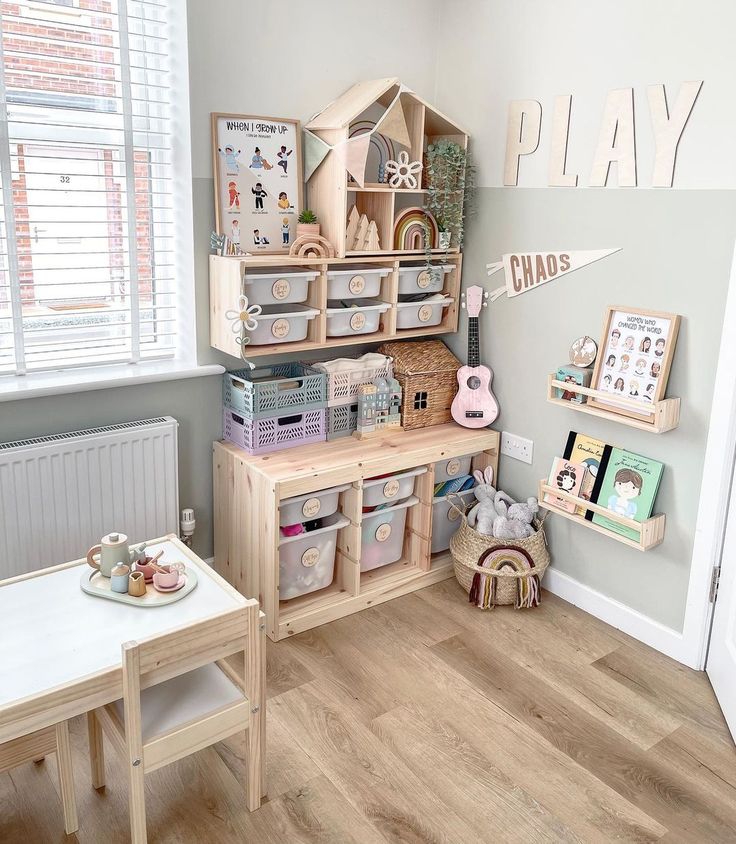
[(242, 320), (402, 171)]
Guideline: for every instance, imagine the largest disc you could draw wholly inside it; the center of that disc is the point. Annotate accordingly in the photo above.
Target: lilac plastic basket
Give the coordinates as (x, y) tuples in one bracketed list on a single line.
[(259, 436)]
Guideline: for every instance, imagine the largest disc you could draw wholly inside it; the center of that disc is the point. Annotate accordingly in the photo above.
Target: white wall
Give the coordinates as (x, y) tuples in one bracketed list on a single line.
[(537, 49)]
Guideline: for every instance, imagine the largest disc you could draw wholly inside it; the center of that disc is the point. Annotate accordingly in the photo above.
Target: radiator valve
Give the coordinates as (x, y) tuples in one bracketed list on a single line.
[(187, 526)]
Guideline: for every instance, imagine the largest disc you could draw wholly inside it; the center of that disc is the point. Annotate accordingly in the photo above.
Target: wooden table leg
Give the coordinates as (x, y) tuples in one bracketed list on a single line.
[(96, 751), (66, 777)]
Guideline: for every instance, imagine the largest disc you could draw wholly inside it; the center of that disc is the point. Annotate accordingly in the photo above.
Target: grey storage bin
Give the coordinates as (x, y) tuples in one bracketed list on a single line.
[(307, 561), (345, 320), (390, 489), (382, 535), (342, 420), (446, 519), (282, 324), (313, 505), (274, 390), (277, 285), (351, 281), (454, 467), (419, 278), (421, 314)]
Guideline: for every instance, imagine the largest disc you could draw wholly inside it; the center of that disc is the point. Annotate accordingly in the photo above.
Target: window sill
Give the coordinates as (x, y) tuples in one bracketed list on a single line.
[(37, 384)]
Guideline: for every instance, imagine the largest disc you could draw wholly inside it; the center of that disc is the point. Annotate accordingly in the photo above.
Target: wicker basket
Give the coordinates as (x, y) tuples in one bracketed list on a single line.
[(467, 545)]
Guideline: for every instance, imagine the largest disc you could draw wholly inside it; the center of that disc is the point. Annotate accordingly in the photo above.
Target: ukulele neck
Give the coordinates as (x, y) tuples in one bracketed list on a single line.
[(473, 342)]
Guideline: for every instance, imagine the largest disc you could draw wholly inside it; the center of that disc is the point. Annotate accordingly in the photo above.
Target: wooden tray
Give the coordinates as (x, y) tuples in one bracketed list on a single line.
[(93, 583)]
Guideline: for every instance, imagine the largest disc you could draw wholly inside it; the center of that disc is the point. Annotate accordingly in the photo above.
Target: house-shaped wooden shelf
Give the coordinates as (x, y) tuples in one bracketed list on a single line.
[(331, 191)]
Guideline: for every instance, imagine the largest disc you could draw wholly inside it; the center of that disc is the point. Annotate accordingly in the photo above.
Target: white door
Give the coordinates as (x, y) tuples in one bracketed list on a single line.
[(721, 665)]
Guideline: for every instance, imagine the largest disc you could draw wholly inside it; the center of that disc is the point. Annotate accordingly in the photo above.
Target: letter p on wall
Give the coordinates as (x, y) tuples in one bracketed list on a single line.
[(522, 136)]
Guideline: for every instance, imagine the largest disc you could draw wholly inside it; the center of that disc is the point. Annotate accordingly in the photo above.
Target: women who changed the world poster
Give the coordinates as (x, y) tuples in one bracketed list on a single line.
[(258, 181)]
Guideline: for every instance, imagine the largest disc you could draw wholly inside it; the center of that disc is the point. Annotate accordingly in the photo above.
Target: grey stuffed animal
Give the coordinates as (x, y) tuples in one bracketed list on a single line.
[(483, 514), (515, 521)]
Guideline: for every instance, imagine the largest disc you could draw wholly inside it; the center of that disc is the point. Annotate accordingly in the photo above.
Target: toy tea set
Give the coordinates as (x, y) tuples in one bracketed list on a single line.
[(132, 576)]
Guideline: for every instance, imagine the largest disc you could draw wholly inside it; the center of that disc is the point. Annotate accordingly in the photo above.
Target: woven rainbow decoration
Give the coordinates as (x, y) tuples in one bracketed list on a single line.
[(505, 558), (384, 146), (409, 229)]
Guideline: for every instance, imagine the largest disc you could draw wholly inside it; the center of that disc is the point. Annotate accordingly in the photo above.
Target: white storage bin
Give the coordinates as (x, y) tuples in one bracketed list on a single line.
[(446, 520), (307, 561), (382, 535), (362, 319), (418, 278), (313, 505), (390, 489), (446, 470), (351, 281), (277, 285), (282, 324), (421, 314)]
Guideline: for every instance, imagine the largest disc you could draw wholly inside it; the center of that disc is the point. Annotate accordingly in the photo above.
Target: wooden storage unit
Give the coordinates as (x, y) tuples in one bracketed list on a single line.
[(226, 284), (331, 194), (248, 492)]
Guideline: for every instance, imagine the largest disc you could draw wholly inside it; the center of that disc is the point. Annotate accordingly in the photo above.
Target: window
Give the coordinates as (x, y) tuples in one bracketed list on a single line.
[(87, 222), (420, 401)]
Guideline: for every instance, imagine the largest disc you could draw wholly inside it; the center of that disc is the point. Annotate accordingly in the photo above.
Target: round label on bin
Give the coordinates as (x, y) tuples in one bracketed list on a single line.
[(280, 328), (453, 514), (311, 507), (453, 466), (356, 285), (310, 557), (390, 488), (281, 288), (424, 279), (425, 313), (357, 321), (383, 532)]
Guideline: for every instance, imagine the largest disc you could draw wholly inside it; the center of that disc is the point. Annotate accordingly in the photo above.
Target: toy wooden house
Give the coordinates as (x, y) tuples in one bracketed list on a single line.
[(427, 373), (333, 195)]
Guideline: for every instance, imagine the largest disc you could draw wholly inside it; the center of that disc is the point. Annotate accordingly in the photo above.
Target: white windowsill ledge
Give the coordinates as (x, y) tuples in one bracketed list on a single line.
[(37, 384)]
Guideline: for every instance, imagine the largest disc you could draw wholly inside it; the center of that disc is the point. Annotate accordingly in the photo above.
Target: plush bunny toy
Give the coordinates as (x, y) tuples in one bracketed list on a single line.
[(483, 514), (515, 521)]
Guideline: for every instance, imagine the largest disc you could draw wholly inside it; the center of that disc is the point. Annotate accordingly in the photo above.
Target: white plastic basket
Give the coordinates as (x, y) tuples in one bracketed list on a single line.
[(342, 387), (382, 535), (390, 489), (345, 321), (282, 324), (421, 314), (351, 281), (307, 561), (277, 285), (446, 519), (313, 505), (418, 278)]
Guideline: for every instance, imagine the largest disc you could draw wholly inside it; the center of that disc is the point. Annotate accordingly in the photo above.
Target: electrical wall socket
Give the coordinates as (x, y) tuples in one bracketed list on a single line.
[(516, 447)]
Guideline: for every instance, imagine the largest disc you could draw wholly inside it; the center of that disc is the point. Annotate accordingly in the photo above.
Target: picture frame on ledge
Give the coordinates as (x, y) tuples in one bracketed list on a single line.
[(635, 357), (257, 167)]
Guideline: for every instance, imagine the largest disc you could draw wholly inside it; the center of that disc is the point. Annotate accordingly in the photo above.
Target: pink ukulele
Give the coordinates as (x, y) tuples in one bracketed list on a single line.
[(474, 406)]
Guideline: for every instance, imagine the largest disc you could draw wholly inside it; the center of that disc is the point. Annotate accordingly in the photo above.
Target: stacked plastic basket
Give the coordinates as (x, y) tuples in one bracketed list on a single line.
[(342, 397), (274, 407)]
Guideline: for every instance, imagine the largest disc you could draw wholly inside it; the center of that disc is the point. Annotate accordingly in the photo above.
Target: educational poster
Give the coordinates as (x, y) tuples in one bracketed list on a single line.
[(632, 356), (258, 181)]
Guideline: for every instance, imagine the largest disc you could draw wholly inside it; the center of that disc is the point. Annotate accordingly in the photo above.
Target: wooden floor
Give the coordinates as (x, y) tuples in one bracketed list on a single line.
[(425, 720)]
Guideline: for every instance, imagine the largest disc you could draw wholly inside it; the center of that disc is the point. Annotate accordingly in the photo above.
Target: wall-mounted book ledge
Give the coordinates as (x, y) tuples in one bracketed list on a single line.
[(656, 417), (650, 532)]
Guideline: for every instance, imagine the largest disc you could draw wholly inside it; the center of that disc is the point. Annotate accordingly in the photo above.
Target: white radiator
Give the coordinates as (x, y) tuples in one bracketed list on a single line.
[(60, 494)]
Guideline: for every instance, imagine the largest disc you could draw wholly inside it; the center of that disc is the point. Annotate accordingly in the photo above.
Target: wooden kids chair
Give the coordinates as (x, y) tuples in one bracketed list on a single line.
[(34, 747), (179, 696)]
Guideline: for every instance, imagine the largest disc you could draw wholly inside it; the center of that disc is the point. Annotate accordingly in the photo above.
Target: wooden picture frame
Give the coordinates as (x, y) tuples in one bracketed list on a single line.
[(619, 360), (258, 184)]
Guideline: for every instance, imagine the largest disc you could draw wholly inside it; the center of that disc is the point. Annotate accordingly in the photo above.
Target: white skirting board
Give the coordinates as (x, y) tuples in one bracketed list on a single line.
[(618, 615)]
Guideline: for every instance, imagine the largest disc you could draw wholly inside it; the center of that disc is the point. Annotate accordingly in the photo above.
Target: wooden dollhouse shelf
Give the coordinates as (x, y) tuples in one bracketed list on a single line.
[(226, 276), (650, 531), (248, 492), (658, 417)]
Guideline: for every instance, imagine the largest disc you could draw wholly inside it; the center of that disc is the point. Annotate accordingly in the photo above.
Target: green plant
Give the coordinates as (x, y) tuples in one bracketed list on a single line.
[(306, 216), (450, 182)]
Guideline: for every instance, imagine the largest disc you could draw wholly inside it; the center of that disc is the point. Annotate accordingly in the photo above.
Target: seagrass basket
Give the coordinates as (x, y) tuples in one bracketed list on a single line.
[(467, 546)]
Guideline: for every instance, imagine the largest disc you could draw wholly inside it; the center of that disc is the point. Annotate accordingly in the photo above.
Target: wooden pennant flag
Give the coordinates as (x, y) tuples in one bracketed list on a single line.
[(354, 154), (526, 270), (393, 124), (315, 151)]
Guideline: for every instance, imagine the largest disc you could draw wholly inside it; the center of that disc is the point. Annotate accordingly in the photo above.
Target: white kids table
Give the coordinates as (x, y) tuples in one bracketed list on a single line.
[(60, 648)]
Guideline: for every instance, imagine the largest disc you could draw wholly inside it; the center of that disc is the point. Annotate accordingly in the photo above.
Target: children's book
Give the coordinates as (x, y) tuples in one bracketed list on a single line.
[(627, 484), (568, 477), (581, 448)]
